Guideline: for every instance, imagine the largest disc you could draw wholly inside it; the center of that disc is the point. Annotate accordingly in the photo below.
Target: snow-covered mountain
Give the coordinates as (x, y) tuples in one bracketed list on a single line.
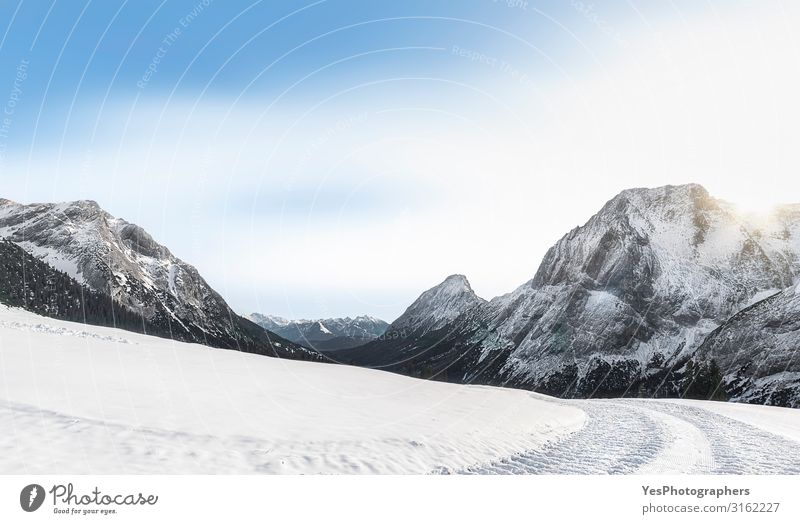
[(438, 306), (617, 306), (640, 285), (270, 322), (327, 333), (120, 259), (639, 300)]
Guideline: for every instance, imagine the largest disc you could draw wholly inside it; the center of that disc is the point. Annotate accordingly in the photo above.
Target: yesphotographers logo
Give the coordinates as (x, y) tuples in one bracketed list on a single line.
[(31, 497)]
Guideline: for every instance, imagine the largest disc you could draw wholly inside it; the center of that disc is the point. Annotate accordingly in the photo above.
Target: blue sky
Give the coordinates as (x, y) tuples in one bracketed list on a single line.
[(338, 157)]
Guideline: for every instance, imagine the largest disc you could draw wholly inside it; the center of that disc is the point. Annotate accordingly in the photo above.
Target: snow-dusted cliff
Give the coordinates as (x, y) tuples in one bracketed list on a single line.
[(438, 306), (121, 259), (617, 306), (758, 350)]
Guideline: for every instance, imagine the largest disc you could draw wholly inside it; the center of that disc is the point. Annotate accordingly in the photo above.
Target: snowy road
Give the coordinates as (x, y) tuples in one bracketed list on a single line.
[(651, 436)]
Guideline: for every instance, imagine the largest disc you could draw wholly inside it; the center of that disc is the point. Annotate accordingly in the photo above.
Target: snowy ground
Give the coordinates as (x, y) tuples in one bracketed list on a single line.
[(666, 437), (78, 399)]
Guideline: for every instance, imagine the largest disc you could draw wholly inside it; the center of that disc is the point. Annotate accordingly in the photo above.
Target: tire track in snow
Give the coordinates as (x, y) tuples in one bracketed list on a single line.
[(615, 439), (736, 447), (688, 451), (647, 436)]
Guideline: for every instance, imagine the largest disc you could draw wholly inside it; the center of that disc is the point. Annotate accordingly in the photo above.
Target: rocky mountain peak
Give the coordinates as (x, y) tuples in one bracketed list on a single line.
[(646, 210), (439, 305), (269, 321), (115, 257), (82, 204), (620, 304), (456, 284), (122, 261)]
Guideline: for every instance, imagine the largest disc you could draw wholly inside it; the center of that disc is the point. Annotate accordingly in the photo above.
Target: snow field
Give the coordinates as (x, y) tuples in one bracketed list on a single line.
[(107, 401)]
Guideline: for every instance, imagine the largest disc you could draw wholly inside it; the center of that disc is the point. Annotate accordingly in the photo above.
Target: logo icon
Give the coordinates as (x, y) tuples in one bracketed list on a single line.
[(31, 497)]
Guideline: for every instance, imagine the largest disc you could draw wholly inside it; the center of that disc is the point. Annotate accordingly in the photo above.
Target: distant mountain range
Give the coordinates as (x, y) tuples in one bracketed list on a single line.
[(664, 292), (325, 334), (121, 262)]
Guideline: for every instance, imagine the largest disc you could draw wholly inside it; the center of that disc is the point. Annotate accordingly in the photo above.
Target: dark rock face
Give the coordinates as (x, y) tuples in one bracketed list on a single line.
[(27, 282), (617, 307), (121, 260), (758, 350)]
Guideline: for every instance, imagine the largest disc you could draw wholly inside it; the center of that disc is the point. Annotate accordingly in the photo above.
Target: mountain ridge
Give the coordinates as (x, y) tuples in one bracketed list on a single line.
[(325, 333), (617, 306), (657, 294), (120, 259)]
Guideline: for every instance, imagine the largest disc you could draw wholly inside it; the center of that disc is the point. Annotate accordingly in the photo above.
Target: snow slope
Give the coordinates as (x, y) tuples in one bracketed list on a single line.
[(85, 399)]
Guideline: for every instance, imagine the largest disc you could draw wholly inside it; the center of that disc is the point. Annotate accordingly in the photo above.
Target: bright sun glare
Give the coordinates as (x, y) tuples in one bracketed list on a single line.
[(756, 205)]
